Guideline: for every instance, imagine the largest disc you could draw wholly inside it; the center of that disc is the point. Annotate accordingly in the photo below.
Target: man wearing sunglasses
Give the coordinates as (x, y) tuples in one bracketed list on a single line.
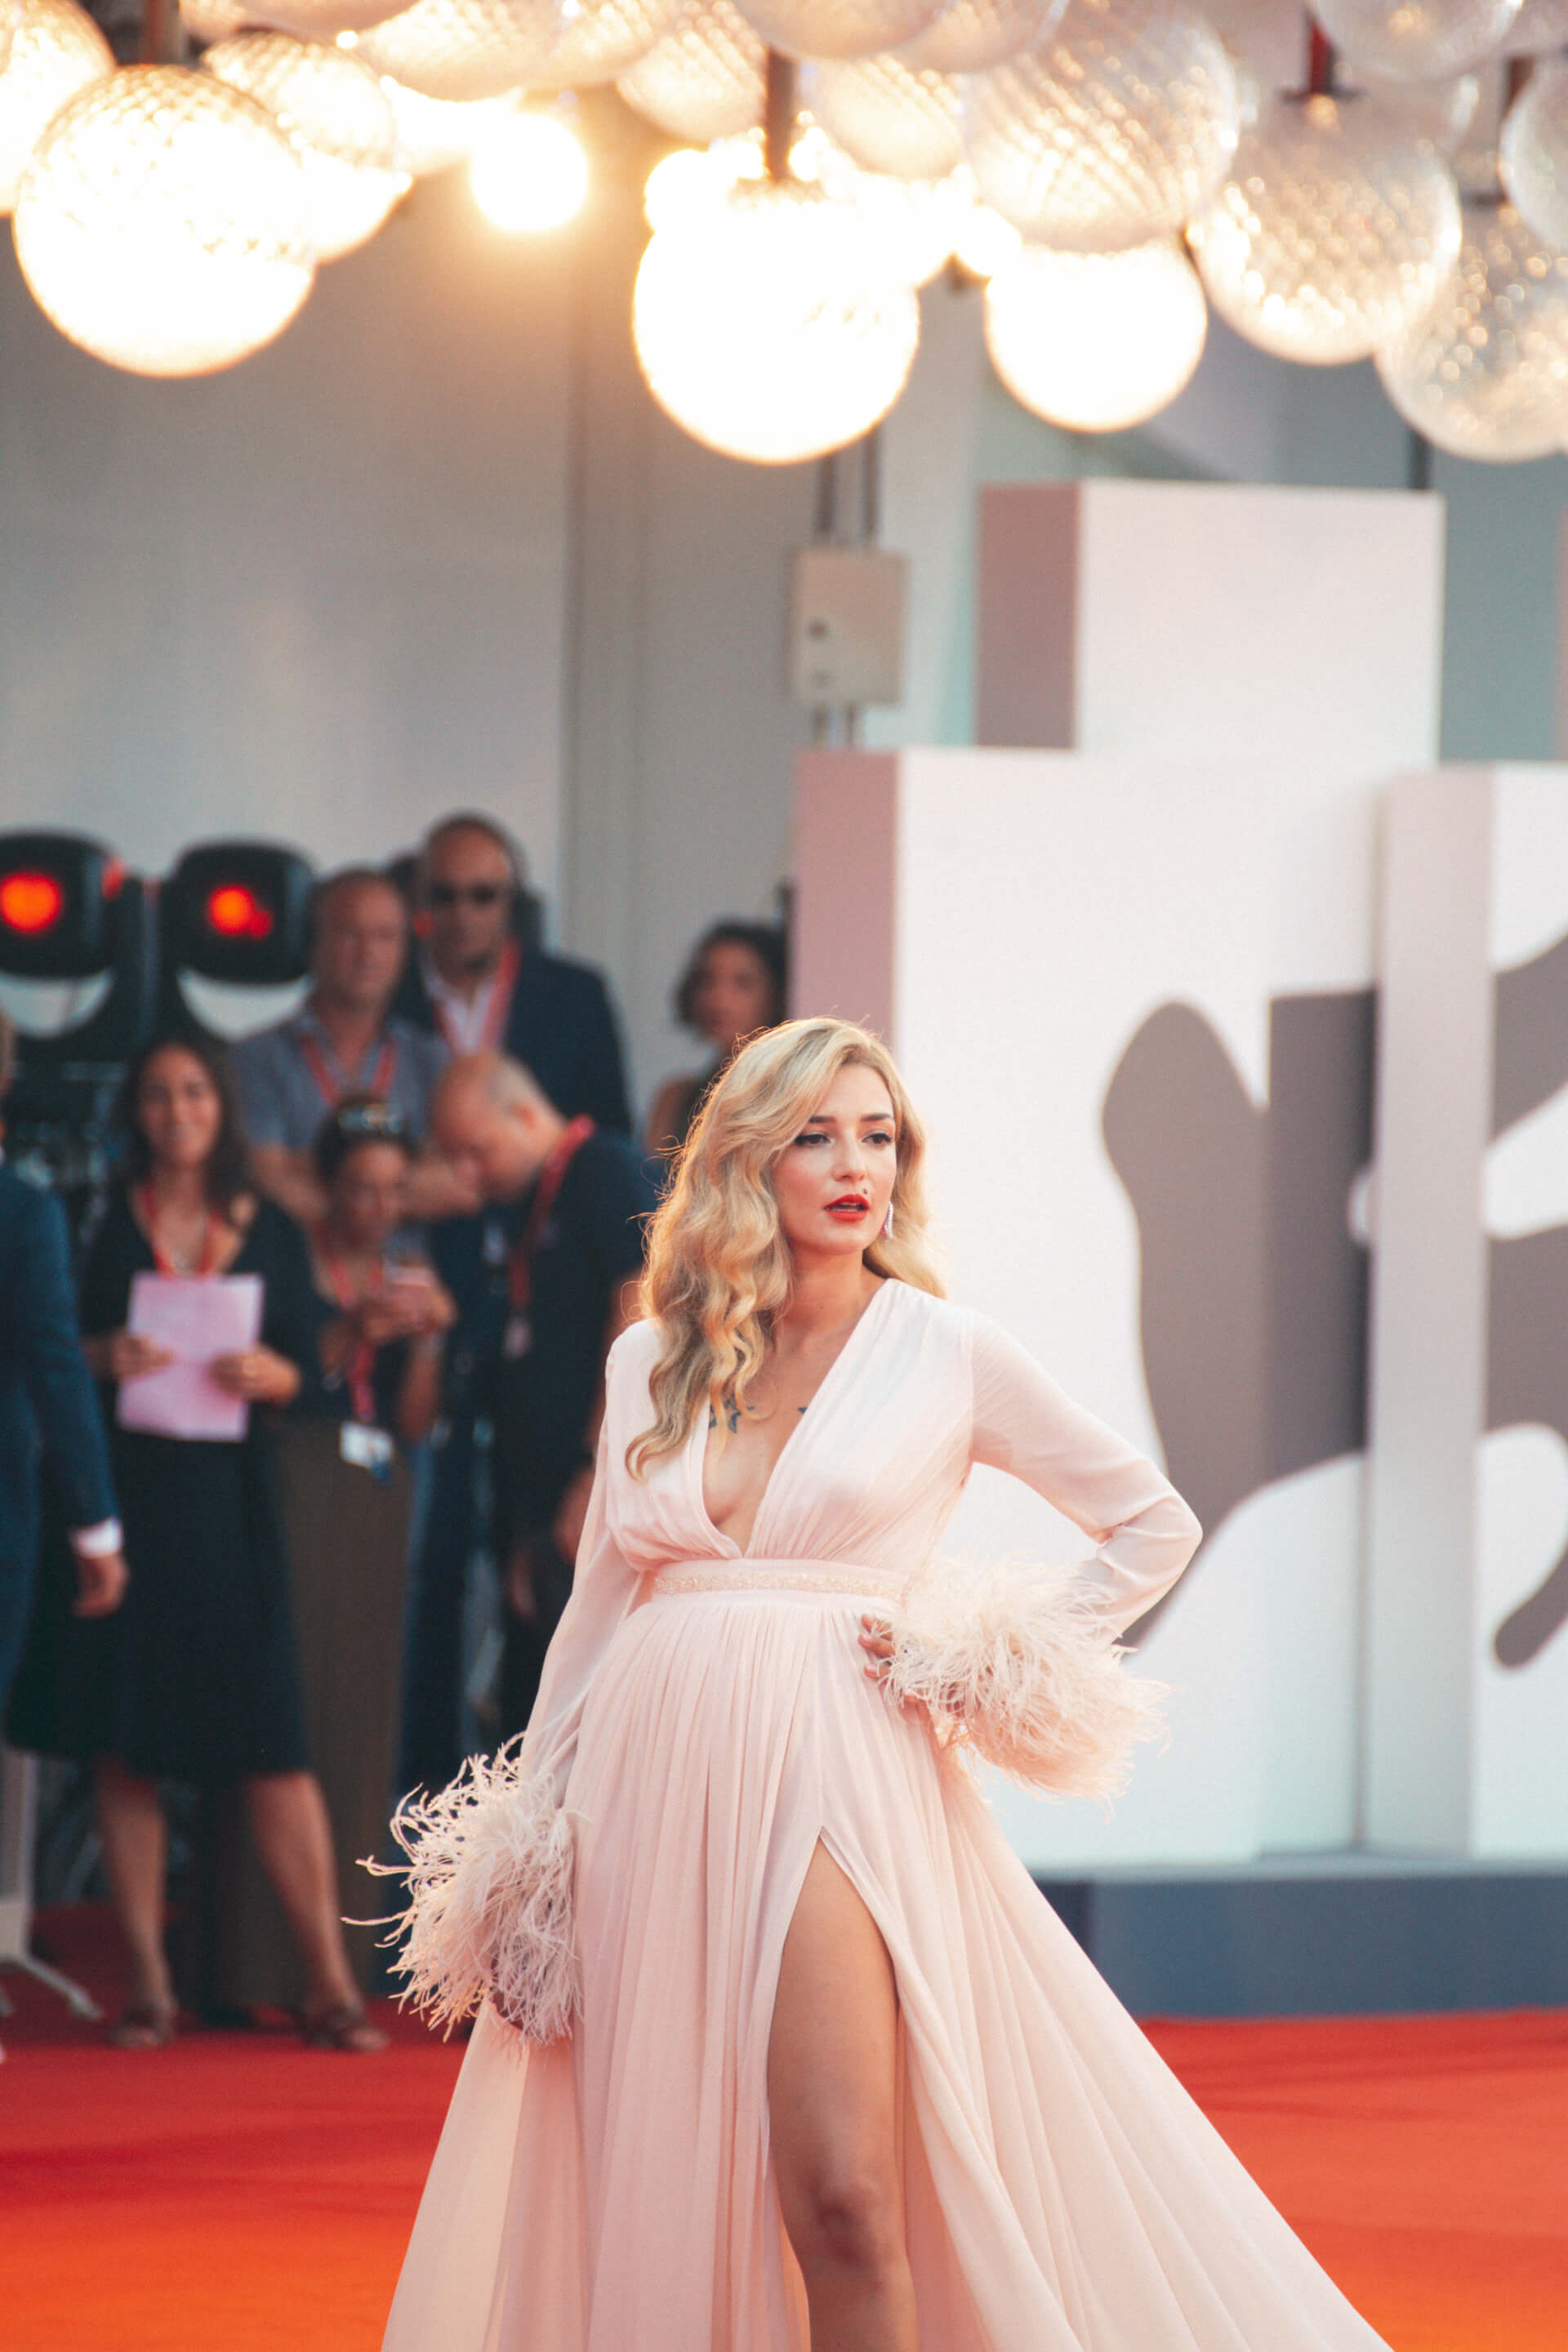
[(479, 986)]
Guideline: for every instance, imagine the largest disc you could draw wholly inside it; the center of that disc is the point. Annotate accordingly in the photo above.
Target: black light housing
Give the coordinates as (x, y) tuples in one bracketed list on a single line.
[(238, 911), (58, 894)]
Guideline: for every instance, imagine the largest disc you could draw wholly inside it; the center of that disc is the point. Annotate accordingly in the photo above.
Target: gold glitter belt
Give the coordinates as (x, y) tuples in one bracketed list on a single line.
[(826, 1576)]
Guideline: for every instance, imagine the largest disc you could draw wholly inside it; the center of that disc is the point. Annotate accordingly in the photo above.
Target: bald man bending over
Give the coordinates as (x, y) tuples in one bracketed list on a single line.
[(574, 1200)]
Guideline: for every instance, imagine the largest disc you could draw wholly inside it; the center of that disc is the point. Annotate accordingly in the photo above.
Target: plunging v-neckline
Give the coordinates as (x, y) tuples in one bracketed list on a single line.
[(698, 1442)]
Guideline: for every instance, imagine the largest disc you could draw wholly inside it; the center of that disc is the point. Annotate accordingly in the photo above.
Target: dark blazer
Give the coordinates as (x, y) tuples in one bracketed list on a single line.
[(560, 1026), (47, 1398)]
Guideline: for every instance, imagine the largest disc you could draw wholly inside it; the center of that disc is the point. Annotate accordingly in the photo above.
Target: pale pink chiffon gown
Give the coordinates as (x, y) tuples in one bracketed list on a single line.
[(706, 1722)]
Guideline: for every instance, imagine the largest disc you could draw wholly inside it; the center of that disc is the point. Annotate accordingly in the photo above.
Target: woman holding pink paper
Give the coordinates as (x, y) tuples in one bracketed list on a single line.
[(199, 1680)]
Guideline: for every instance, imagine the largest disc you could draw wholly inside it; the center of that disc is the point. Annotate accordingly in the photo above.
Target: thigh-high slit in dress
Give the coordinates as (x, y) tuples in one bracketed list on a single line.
[(622, 1892)]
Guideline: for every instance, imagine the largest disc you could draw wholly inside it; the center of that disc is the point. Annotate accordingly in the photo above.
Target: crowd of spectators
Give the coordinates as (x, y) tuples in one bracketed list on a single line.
[(428, 1170)]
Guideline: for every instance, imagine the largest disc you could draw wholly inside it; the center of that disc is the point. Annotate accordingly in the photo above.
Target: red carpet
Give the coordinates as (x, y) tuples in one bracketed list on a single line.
[(238, 2193)]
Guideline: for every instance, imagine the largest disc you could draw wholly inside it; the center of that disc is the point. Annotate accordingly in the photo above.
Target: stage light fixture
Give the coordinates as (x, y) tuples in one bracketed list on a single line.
[(237, 911), (57, 895)]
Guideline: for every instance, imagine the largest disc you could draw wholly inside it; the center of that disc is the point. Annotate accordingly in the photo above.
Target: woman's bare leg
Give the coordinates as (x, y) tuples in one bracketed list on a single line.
[(131, 1830), (294, 1839), (832, 2099)]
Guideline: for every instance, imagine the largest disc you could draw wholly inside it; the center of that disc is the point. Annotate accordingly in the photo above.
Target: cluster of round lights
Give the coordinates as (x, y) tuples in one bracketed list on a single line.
[(1110, 168)]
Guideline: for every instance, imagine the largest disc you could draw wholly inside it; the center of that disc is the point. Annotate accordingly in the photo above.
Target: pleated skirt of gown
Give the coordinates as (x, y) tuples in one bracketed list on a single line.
[(613, 2193)]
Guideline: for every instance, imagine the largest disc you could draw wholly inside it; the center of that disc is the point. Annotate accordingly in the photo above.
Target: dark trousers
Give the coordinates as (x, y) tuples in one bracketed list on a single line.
[(526, 1639), (431, 1747)]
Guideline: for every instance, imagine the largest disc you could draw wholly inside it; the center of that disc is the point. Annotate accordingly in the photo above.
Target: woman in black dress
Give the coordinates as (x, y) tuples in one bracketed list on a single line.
[(204, 1682), (345, 1487)]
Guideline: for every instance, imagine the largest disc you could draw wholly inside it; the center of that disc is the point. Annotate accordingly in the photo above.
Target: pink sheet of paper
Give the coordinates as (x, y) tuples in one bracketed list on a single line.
[(219, 1315)]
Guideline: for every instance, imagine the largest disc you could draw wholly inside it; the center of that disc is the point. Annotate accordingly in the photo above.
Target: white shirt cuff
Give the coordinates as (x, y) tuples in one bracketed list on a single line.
[(97, 1543)]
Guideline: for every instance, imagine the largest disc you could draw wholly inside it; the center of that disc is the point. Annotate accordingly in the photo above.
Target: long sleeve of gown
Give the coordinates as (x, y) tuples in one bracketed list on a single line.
[(603, 1591), (1020, 1657), (1142, 1532)]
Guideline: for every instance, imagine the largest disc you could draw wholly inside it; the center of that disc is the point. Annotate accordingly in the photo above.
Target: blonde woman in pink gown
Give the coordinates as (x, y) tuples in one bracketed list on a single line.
[(777, 2045)]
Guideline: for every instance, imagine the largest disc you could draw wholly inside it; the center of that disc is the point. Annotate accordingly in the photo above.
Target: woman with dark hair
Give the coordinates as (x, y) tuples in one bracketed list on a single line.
[(345, 1487), (735, 982), (200, 1682)]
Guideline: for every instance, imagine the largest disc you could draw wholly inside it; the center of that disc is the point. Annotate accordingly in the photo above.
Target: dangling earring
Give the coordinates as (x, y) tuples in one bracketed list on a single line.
[(888, 1224)]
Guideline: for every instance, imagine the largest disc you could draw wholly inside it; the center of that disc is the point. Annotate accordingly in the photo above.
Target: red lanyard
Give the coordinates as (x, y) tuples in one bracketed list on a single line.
[(212, 1241), (519, 1273), (361, 1370), (331, 1085), (496, 1011)]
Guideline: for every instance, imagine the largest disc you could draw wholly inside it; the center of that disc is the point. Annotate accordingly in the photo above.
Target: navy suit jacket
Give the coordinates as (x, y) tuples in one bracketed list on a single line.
[(560, 1026), (47, 1398)]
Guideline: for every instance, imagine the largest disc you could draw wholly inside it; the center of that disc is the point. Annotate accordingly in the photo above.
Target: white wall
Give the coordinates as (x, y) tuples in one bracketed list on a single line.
[(320, 596)]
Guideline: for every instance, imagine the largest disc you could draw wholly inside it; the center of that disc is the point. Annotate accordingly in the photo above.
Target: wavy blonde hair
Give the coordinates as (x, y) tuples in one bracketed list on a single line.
[(718, 1264)]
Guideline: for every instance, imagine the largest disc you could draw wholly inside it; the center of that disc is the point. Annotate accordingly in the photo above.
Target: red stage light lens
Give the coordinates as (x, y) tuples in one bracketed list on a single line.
[(31, 902), (238, 913)]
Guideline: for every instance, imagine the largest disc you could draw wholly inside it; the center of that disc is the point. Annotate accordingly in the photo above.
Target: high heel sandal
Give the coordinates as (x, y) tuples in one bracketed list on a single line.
[(144, 2025), (344, 2026)]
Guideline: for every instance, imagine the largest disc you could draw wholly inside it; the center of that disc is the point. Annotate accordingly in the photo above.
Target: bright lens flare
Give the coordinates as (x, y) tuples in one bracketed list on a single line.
[(528, 174)]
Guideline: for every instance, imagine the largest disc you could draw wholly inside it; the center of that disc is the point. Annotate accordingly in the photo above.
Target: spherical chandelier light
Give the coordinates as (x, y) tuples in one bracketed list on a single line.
[(706, 78), (597, 39), (1484, 372), (1115, 129), (55, 49), (462, 49), (888, 117), (838, 28), (914, 222), (1441, 113), (1335, 230), (771, 328), (434, 133), (970, 34), (530, 173), (215, 20), (983, 242), (1418, 39), (698, 179), (1533, 154), (1541, 26), (163, 223), (340, 121), (314, 20), (1096, 341)]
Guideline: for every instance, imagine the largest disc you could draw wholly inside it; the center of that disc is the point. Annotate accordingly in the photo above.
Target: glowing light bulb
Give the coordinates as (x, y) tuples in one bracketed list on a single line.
[(528, 174), (1096, 341)]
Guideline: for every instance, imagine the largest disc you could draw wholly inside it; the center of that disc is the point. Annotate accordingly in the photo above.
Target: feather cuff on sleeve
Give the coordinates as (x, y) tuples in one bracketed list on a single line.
[(1015, 1657), (488, 1915)]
